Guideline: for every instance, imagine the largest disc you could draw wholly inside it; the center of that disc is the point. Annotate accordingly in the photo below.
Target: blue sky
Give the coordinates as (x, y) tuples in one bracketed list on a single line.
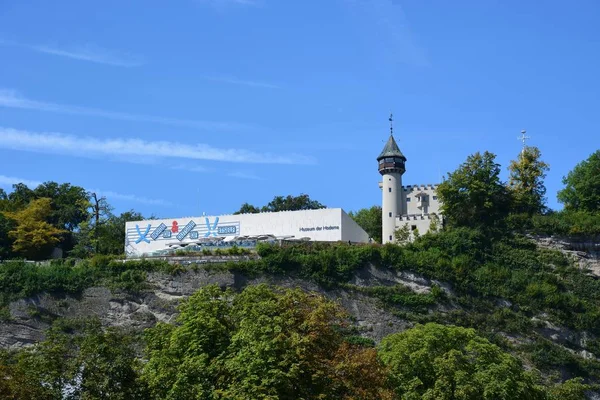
[(202, 105)]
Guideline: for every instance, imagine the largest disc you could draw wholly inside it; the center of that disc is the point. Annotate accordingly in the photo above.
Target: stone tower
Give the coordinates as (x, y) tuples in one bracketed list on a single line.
[(391, 167)]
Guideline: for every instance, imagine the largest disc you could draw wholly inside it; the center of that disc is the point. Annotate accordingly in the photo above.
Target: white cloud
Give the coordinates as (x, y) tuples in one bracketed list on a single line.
[(133, 198), (12, 99), (8, 181), (221, 3), (121, 147), (87, 52), (235, 81), (92, 54), (244, 175)]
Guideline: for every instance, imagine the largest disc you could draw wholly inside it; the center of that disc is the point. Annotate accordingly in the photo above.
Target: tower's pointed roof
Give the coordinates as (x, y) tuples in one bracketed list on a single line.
[(391, 149)]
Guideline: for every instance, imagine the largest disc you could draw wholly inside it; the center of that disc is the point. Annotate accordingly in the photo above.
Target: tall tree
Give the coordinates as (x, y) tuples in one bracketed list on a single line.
[(473, 195), (445, 362), (582, 190), (370, 220), (526, 182), (33, 236)]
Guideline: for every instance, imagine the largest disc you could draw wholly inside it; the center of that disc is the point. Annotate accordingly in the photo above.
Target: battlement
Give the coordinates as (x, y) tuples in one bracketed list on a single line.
[(415, 217), (426, 186)]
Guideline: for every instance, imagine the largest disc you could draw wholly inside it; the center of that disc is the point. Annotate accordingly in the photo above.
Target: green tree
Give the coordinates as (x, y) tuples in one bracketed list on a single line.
[(526, 182), (370, 220), (33, 237), (260, 344), (402, 234), (248, 208), (6, 242), (111, 234), (436, 362), (292, 203), (473, 195), (582, 186), (69, 204)]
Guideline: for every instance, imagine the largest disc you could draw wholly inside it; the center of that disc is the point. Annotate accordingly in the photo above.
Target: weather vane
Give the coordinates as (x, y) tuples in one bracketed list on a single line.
[(391, 119), (523, 138)]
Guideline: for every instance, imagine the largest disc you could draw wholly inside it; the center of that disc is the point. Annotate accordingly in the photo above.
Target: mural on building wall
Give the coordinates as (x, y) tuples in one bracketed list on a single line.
[(192, 230)]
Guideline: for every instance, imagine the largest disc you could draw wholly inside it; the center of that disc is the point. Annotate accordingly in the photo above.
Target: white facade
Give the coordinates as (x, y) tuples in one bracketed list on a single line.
[(325, 225)]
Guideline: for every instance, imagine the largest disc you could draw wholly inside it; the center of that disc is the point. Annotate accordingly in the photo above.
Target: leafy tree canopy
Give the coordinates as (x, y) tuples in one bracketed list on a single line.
[(582, 190), (260, 344), (370, 220), (473, 195), (281, 203), (33, 237), (433, 362)]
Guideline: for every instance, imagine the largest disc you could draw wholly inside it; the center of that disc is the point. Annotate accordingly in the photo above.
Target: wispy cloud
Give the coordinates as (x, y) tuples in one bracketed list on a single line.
[(122, 147), (235, 81), (221, 3), (7, 181), (133, 198), (244, 175), (88, 52), (11, 180), (12, 99), (386, 24), (191, 168)]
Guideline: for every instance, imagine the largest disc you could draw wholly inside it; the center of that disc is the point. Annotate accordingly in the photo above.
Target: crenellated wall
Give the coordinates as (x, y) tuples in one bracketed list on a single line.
[(420, 199)]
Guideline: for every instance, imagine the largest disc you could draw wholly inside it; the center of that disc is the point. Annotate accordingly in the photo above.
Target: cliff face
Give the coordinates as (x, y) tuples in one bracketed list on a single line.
[(31, 317), (586, 252)]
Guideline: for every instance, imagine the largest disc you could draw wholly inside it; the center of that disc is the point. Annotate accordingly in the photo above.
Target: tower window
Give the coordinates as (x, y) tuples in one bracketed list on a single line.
[(434, 197), (390, 214), (413, 227), (390, 190), (408, 199), (390, 237)]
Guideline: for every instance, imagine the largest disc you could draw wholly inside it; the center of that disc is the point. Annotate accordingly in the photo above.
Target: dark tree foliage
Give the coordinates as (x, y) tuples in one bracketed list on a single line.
[(248, 208), (88, 363), (474, 195), (69, 204), (582, 190), (370, 220), (281, 203)]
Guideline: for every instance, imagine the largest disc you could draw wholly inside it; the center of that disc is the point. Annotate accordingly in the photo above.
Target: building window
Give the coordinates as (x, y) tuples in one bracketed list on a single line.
[(435, 197), (390, 190), (390, 214), (413, 227), (390, 237), (408, 199)]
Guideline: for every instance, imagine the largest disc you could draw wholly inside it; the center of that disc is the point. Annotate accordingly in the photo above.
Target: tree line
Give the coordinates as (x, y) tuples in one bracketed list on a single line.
[(36, 222)]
